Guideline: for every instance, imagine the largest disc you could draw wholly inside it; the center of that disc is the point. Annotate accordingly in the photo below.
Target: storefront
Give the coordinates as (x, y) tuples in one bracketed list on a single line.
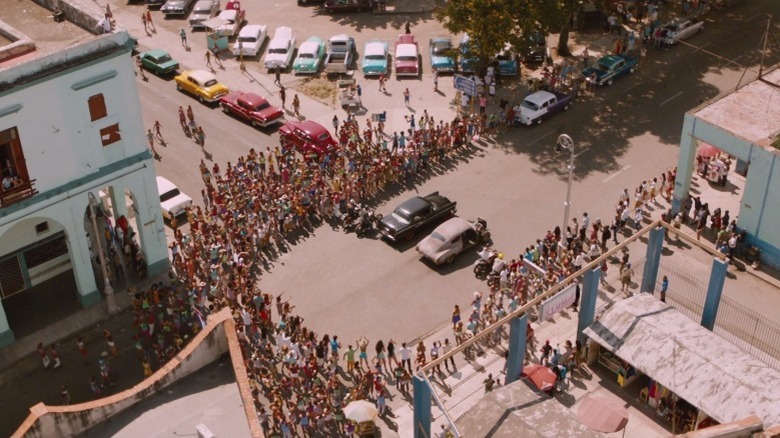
[(693, 377)]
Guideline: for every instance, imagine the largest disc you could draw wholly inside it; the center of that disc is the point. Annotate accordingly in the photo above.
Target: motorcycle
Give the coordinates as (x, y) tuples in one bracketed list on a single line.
[(484, 265), (368, 222), (483, 235), (494, 280), (350, 218)]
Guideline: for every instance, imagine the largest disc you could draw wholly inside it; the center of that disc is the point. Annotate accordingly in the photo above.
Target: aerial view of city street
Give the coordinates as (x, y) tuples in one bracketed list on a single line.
[(395, 218)]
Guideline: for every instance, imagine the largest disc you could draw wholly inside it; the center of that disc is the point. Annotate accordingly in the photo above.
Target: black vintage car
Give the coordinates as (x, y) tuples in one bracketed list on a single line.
[(415, 214)]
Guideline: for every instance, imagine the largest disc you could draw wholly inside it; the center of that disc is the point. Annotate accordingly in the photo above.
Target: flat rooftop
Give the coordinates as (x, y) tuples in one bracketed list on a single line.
[(751, 112), (28, 19)]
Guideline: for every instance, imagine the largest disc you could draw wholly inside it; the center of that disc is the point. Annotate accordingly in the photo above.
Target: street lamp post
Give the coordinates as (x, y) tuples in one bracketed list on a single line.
[(565, 142), (107, 289)]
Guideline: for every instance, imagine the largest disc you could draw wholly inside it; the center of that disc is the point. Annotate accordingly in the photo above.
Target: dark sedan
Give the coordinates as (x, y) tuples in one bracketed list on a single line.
[(415, 214), (347, 6)]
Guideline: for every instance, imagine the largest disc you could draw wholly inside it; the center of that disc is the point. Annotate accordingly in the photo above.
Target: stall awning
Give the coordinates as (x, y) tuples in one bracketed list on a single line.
[(698, 365)]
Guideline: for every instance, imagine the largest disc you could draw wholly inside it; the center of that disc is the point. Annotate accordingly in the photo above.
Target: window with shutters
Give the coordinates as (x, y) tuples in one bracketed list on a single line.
[(110, 134), (97, 107), (16, 183)]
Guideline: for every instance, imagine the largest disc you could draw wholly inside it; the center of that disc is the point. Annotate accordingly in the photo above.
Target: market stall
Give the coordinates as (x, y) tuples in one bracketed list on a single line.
[(696, 378)]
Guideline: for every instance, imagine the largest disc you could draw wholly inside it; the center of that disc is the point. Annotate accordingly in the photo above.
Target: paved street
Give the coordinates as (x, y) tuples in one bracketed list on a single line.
[(364, 287)]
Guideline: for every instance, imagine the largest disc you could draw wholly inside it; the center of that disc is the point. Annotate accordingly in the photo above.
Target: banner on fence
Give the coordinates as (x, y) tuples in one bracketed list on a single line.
[(557, 302)]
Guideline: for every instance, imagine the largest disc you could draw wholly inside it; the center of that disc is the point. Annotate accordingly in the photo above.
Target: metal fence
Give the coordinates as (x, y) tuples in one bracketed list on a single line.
[(750, 331)]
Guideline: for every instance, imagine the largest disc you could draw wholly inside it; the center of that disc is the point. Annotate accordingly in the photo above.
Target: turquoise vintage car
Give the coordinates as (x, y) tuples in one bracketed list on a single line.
[(159, 62), (610, 67), (375, 58), (441, 55), (310, 56), (507, 61)]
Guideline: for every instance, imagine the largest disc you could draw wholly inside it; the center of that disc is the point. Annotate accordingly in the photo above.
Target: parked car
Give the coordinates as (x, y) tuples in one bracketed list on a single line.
[(341, 54), (172, 201), (507, 61), (280, 49), (414, 214), (202, 84), (407, 58), (252, 108), (154, 3), (203, 10), (173, 8), (158, 61), (310, 56), (536, 50), (250, 40), (308, 137), (680, 29), (375, 58), (347, 6), (468, 63), (610, 67), (232, 19), (440, 50), (452, 238), (542, 104)]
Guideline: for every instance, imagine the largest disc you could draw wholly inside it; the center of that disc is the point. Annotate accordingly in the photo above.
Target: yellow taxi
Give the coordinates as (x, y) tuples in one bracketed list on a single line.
[(201, 84)]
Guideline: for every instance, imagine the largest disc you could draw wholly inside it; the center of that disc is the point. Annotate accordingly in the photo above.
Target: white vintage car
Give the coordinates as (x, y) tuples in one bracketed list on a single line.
[(680, 29), (452, 238), (250, 40), (280, 49), (172, 201)]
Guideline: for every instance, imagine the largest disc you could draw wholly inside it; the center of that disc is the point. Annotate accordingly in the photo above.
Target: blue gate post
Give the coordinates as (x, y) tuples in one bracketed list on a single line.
[(422, 407), (714, 292), (655, 243), (518, 330), (590, 290)]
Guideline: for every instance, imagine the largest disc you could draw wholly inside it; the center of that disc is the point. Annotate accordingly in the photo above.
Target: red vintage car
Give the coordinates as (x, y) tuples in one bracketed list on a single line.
[(407, 58), (308, 137), (252, 108)]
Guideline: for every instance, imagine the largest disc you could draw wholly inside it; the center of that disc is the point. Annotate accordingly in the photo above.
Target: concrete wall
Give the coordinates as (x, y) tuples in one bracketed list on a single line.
[(82, 14), (64, 421)]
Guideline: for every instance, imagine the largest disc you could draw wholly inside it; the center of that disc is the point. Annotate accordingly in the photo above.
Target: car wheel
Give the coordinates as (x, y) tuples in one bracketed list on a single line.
[(449, 259), (201, 99), (255, 124), (224, 109), (566, 107), (633, 69), (178, 87), (610, 82), (538, 121)]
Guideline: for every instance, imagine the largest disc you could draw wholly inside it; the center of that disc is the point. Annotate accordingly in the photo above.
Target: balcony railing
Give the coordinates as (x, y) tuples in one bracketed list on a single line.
[(23, 190)]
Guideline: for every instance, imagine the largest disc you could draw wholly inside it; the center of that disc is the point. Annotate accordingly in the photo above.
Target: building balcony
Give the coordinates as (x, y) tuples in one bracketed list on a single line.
[(21, 190)]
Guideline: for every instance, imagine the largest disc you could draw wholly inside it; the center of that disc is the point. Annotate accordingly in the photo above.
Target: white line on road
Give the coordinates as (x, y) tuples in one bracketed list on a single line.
[(543, 136), (615, 174), (670, 99), (633, 86), (753, 17), (733, 61), (702, 46)]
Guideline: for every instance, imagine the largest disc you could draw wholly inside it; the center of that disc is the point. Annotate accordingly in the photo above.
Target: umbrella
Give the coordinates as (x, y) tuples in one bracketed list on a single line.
[(707, 150), (360, 411), (541, 376), (601, 414)]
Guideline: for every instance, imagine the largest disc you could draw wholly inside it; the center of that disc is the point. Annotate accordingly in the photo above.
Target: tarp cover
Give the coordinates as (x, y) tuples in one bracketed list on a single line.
[(709, 372)]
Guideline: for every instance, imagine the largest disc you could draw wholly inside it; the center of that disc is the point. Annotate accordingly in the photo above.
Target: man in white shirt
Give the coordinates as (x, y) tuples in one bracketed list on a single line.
[(406, 357)]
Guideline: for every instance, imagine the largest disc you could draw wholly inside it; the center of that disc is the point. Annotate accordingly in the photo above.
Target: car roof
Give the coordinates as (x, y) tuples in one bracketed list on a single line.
[(204, 4), (308, 126), (414, 205), (308, 47), (252, 98), (339, 37), (453, 227), (201, 76), (375, 47), (252, 30), (611, 59), (539, 97), (164, 185), (156, 53), (405, 50)]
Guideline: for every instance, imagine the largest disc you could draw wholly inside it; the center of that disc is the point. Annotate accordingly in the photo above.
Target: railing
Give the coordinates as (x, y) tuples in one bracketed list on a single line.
[(13, 195)]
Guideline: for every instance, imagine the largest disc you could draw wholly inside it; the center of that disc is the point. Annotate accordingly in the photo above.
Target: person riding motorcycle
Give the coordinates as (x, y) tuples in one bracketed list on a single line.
[(499, 264)]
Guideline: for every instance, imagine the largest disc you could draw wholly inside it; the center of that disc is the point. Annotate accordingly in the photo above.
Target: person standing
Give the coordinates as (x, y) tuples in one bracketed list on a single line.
[(55, 357), (82, 349), (435, 80), (664, 288), (585, 57), (335, 124), (277, 76), (283, 95), (65, 395), (406, 356), (208, 59), (359, 92), (296, 103), (182, 118), (183, 36), (382, 81), (407, 96), (445, 349), (455, 316), (110, 341), (381, 403), (200, 137), (44, 356)]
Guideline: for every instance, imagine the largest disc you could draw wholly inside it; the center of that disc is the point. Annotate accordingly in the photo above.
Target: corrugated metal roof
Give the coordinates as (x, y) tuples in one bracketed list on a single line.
[(693, 362)]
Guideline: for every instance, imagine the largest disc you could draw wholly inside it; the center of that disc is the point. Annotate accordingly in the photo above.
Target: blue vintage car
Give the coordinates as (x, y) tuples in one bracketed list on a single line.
[(375, 58), (310, 56), (441, 55), (610, 67), (468, 63), (507, 61)]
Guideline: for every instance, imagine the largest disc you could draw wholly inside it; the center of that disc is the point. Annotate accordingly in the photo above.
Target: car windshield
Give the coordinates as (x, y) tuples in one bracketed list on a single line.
[(280, 51), (407, 58), (504, 57), (604, 67), (375, 57), (530, 105), (306, 55), (400, 216), (247, 39), (438, 237), (441, 49), (163, 58), (169, 195), (210, 83), (262, 106), (323, 136)]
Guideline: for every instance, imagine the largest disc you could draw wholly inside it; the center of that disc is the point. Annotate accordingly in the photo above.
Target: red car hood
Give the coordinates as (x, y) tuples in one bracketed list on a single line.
[(406, 64)]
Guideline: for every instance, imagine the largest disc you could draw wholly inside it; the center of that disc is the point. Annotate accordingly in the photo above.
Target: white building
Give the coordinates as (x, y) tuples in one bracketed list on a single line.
[(70, 126)]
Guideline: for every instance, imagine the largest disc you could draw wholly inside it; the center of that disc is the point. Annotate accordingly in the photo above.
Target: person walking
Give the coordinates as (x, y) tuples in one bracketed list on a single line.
[(296, 103), (44, 356), (200, 137), (407, 95), (82, 350), (183, 36), (150, 139), (65, 395), (585, 57), (157, 130), (110, 341), (143, 20), (149, 20), (435, 81), (182, 118), (208, 59), (283, 95), (55, 357), (382, 81), (359, 92)]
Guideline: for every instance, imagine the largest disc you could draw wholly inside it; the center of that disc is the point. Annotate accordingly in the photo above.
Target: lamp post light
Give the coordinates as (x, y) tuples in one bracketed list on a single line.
[(565, 142), (107, 289)]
